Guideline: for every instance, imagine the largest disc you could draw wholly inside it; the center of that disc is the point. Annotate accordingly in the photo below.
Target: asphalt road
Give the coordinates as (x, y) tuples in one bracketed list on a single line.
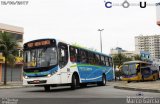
[(34, 94)]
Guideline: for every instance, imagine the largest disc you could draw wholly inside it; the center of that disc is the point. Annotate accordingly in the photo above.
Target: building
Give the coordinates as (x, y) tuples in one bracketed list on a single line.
[(14, 73), (150, 44), (144, 55), (117, 50)]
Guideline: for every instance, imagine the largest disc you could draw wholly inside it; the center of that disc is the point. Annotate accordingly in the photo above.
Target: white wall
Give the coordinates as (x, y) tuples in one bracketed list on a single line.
[(158, 11)]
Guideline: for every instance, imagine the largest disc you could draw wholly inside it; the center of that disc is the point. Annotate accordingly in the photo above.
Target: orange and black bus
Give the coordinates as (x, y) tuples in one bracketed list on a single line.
[(139, 71)]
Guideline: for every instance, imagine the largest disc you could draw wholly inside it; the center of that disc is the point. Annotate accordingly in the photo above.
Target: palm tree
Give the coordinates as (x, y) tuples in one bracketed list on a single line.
[(137, 57), (8, 47), (119, 58)]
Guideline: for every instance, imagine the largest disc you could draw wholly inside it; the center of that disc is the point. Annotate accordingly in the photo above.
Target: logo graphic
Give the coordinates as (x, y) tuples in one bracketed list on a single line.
[(127, 4), (108, 4), (9, 101)]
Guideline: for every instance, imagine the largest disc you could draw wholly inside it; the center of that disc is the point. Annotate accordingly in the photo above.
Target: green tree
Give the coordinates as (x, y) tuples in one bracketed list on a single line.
[(119, 58), (137, 57), (8, 47)]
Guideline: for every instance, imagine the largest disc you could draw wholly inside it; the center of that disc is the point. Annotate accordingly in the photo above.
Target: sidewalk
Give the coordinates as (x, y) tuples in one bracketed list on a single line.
[(11, 85), (147, 86)]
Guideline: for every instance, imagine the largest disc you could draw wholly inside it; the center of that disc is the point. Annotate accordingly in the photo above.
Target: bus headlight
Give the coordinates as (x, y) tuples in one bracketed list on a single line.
[(25, 77), (49, 75)]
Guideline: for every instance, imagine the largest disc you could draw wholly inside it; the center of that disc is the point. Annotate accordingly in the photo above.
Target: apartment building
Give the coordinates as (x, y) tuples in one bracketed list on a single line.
[(14, 73), (148, 43)]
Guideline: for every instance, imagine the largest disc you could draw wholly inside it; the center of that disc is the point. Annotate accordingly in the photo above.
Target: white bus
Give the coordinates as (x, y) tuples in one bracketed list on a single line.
[(48, 63)]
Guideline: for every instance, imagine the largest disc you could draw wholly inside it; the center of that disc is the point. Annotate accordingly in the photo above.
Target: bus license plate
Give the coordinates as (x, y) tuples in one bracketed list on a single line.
[(36, 81)]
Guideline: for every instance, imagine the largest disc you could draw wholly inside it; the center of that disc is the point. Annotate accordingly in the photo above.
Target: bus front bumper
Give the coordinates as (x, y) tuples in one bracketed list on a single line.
[(136, 78), (40, 81)]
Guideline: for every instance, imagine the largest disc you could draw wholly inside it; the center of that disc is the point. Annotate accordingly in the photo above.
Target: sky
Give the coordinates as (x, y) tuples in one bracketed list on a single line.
[(78, 21)]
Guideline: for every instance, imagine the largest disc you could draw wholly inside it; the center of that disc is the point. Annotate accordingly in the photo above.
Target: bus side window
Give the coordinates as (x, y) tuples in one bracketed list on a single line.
[(110, 62), (78, 55), (107, 61), (102, 60), (63, 54), (84, 58), (97, 59), (91, 58), (73, 54)]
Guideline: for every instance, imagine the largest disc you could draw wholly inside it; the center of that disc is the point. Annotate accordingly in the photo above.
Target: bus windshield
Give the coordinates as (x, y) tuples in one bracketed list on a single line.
[(129, 69), (41, 57)]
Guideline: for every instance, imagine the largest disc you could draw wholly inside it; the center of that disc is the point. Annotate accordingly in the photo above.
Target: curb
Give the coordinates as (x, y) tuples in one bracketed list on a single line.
[(10, 87), (13, 87), (137, 89)]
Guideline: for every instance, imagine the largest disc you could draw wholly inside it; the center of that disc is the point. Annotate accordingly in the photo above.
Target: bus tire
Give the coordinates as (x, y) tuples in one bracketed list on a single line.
[(157, 76), (142, 79), (74, 82), (47, 88), (82, 85), (103, 82), (154, 78), (128, 81)]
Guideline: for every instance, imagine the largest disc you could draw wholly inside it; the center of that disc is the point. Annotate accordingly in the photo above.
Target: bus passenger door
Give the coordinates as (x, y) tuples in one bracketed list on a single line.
[(63, 60)]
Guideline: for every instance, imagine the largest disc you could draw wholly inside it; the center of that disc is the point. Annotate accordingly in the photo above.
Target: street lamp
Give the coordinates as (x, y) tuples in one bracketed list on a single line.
[(100, 30)]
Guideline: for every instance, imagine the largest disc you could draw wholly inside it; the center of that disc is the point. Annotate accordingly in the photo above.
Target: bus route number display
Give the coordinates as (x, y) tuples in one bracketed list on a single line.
[(39, 43)]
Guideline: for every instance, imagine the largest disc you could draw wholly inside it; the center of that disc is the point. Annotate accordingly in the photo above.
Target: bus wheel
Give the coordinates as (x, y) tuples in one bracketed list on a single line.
[(154, 78), (74, 82), (128, 81), (83, 85), (47, 88), (103, 82), (142, 79)]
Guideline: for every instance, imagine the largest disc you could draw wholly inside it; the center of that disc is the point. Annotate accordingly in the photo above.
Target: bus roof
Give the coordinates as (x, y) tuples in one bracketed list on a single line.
[(137, 61), (69, 44), (91, 50)]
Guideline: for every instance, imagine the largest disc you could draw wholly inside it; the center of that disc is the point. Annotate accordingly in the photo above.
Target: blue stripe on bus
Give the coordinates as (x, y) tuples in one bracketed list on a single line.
[(42, 73), (91, 73)]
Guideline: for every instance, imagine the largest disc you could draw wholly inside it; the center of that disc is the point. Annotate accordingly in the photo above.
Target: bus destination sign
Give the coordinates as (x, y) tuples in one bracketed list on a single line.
[(39, 43)]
